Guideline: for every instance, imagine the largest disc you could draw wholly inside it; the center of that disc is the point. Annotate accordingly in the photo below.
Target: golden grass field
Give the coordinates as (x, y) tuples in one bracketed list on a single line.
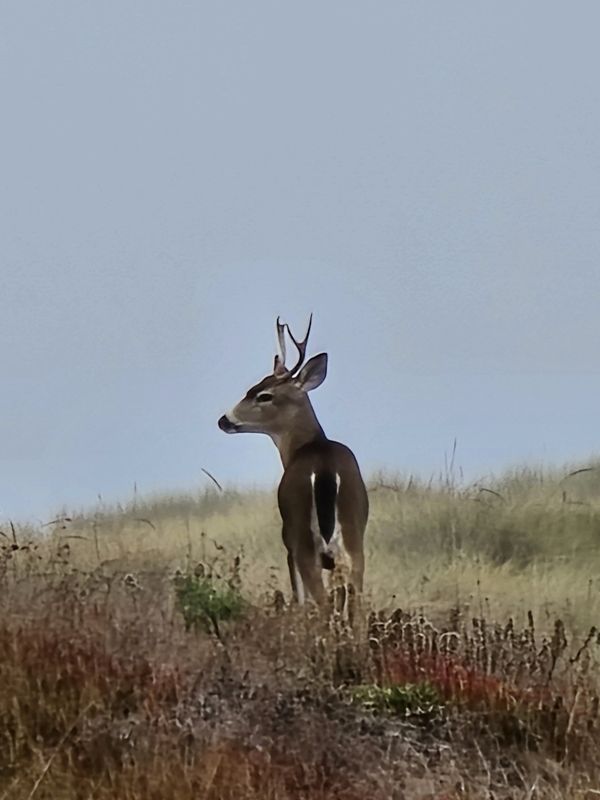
[(471, 671), (526, 541)]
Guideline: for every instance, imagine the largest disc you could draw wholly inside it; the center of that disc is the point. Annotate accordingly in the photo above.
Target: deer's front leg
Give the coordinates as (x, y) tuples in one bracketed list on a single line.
[(295, 580), (305, 573)]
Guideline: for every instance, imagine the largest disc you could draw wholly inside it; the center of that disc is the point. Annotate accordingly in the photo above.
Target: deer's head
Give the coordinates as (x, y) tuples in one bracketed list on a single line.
[(279, 401)]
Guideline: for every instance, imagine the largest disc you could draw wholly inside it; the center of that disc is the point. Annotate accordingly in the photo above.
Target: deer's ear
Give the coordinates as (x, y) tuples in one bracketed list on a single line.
[(313, 373)]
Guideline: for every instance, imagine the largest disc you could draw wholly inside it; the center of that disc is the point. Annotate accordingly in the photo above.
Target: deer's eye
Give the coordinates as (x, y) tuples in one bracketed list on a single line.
[(264, 397)]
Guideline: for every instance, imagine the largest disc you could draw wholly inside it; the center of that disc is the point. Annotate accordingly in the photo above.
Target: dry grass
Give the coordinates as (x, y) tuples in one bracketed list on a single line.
[(485, 684), (527, 541)]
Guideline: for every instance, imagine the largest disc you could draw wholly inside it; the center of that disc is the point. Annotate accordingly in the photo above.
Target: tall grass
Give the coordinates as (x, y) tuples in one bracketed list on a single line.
[(526, 540), (148, 651)]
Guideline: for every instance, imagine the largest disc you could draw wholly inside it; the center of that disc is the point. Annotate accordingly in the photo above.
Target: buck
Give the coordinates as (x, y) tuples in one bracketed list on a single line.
[(322, 497)]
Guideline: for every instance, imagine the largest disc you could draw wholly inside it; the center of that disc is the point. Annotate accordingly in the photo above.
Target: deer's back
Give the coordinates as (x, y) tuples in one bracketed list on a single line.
[(323, 460)]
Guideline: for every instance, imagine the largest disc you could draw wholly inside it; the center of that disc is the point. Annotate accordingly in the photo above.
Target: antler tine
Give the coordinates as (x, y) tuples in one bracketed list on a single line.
[(279, 365), (301, 346)]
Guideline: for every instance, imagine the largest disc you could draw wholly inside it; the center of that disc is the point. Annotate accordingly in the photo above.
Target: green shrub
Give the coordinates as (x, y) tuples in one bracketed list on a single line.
[(205, 601), (406, 700)]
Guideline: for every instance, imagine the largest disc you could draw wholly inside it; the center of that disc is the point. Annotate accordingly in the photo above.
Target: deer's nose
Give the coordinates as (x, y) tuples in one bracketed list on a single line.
[(226, 424)]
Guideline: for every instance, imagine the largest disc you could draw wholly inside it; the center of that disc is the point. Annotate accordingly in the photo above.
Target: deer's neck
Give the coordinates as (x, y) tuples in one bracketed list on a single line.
[(306, 429)]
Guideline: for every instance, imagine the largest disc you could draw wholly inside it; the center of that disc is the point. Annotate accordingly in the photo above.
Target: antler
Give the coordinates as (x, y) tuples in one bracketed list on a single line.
[(300, 346), (279, 368)]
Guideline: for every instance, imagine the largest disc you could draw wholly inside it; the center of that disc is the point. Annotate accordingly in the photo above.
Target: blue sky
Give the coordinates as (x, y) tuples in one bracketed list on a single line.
[(423, 177)]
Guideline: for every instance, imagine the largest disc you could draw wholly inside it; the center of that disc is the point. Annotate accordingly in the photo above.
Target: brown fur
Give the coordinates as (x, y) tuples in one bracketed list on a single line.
[(279, 406)]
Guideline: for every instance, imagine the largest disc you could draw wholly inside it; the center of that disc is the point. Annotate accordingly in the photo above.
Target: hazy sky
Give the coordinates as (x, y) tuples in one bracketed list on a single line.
[(423, 176)]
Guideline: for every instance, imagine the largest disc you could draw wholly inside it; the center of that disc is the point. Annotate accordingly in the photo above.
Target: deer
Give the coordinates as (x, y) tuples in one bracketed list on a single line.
[(322, 497)]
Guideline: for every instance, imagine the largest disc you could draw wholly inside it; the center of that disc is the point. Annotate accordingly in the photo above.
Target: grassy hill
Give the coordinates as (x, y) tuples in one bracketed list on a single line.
[(150, 651), (528, 540)]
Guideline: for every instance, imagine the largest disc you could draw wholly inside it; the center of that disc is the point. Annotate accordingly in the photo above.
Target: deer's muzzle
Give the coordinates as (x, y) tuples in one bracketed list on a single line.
[(227, 425)]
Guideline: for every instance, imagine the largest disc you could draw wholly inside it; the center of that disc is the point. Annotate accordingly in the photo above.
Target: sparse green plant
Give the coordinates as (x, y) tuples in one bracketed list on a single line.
[(409, 699), (205, 601)]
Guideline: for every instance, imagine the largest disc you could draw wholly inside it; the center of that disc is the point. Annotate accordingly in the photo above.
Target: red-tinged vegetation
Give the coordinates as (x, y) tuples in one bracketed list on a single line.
[(105, 694), (531, 693)]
